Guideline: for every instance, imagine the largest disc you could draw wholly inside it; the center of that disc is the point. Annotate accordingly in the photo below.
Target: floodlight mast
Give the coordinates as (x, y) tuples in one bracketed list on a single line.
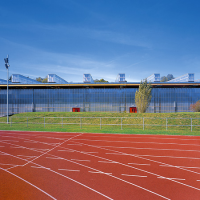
[(7, 65)]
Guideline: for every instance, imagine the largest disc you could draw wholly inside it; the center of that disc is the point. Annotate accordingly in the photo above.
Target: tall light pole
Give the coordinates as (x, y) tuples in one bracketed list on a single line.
[(7, 65)]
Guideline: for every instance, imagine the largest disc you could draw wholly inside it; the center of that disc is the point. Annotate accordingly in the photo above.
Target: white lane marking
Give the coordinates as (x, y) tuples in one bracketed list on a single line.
[(6, 164), (88, 152), (2, 146), (179, 179), (117, 178), (54, 158), (142, 169), (139, 142), (9, 140), (119, 154), (80, 184), (66, 150), (53, 148), (51, 138), (71, 170), (179, 166), (156, 149), (137, 164), (198, 180), (17, 147), (167, 156), (94, 172), (81, 160), (143, 136), (31, 141), (27, 156), (38, 149), (40, 167), (133, 175), (107, 161), (28, 183), (75, 144)]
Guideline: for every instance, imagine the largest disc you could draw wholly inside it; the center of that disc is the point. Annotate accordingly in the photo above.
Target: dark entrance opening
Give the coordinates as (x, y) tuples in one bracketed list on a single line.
[(133, 110)]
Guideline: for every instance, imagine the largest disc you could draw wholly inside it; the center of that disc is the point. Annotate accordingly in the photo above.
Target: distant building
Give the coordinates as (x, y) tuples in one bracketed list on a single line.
[(28, 95), (154, 78), (120, 78)]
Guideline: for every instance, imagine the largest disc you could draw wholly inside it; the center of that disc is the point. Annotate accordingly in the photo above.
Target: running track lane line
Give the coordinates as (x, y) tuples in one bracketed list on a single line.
[(141, 169), (110, 174), (58, 174), (94, 170), (29, 183), (138, 142), (52, 149), (139, 156)]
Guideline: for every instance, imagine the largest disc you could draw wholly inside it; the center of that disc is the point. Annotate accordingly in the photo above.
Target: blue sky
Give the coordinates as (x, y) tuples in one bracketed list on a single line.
[(100, 37)]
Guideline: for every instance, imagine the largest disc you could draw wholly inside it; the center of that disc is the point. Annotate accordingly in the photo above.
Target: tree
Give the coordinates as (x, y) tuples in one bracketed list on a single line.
[(39, 79), (143, 96), (164, 79), (195, 107), (42, 80), (167, 78), (101, 80), (170, 77), (45, 80)]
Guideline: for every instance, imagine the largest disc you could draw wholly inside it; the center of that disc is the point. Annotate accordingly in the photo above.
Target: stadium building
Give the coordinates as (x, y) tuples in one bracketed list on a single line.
[(57, 95)]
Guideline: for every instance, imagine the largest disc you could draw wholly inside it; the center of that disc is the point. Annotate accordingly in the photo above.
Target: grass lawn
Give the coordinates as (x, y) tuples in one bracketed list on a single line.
[(97, 123)]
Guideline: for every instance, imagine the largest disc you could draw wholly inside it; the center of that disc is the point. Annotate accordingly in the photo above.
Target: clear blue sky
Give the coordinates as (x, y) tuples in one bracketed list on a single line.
[(100, 37)]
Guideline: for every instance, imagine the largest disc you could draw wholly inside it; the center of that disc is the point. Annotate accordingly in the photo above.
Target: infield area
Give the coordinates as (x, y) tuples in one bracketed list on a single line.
[(54, 165)]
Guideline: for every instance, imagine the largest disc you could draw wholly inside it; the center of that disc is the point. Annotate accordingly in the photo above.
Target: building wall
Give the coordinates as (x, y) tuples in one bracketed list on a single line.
[(95, 100)]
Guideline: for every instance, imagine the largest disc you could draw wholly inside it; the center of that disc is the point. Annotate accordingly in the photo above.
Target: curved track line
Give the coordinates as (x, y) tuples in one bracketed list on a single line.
[(29, 183)]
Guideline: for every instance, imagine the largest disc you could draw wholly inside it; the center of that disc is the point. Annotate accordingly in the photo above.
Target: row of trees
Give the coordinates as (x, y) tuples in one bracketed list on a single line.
[(100, 80), (42, 80), (45, 80)]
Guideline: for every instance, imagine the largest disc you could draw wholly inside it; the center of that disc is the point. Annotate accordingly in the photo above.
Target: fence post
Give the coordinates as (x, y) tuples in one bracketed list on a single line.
[(100, 122), (143, 123), (80, 124), (121, 123), (44, 122), (11, 121), (27, 121), (191, 124), (166, 124), (62, 122)]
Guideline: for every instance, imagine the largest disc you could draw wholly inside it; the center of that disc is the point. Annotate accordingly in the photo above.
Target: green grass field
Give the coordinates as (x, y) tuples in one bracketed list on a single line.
[(35, 122)]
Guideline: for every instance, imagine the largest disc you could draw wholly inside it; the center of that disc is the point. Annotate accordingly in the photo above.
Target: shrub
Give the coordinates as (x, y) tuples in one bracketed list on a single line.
[(195, 107)]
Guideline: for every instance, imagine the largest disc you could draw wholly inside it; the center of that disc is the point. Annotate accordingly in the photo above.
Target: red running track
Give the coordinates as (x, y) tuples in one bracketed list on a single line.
[(46, 165)]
